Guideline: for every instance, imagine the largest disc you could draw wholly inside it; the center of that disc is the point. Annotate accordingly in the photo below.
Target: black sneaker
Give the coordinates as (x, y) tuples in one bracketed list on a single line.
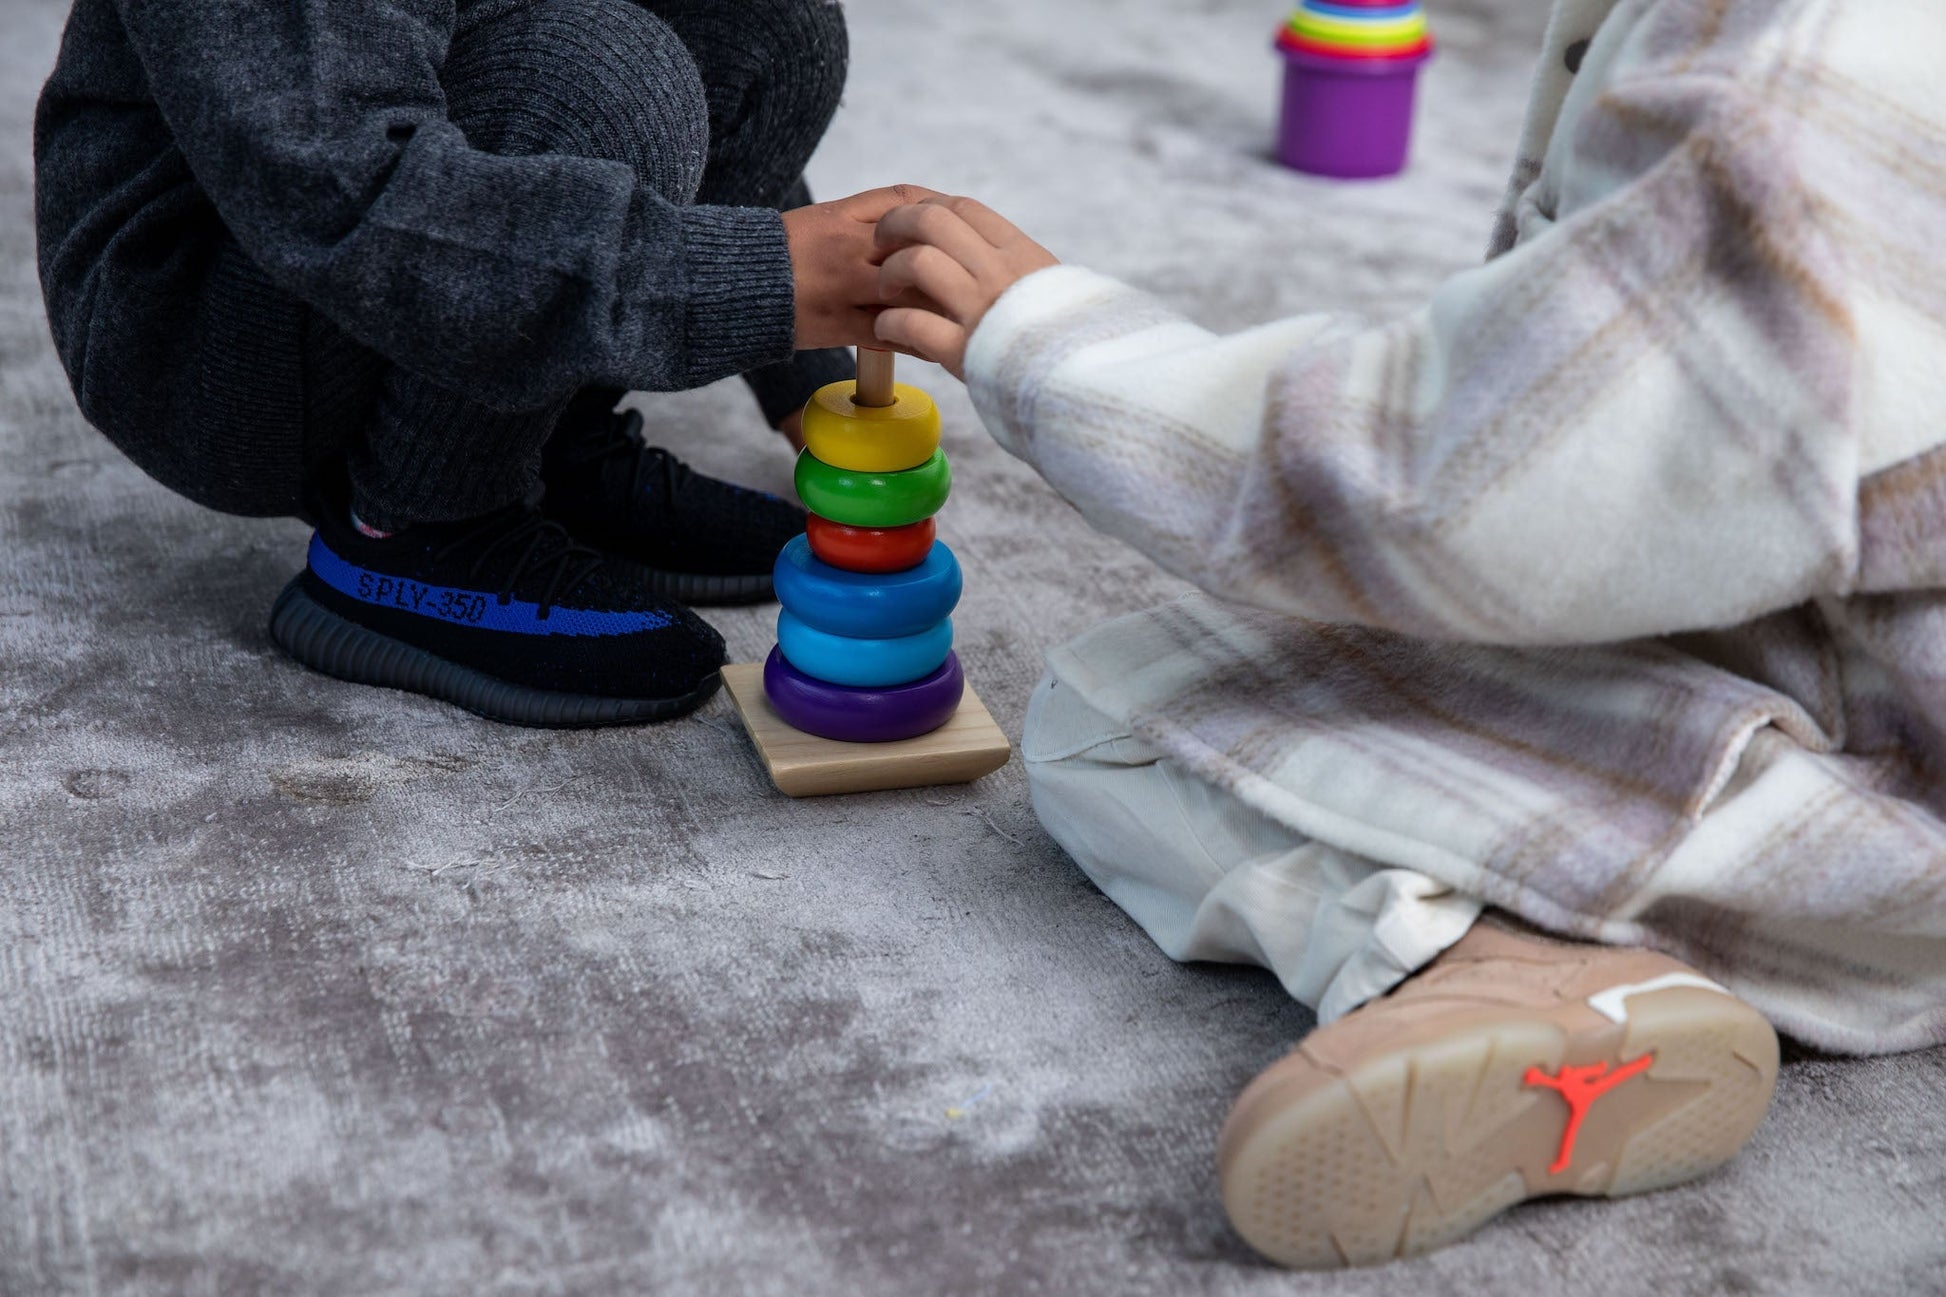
[(705, 540), (505, 616)]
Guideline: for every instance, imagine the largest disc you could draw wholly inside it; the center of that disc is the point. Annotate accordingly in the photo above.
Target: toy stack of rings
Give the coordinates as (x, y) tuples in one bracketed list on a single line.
[(1351, 74), (865, 638)]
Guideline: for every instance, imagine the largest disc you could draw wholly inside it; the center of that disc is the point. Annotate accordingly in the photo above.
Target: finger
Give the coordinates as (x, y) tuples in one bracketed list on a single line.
[(854, 326), (901, 349), (925, 269), (989, 224), (922, 333), (916, 300), (938, 227), (875, 203)]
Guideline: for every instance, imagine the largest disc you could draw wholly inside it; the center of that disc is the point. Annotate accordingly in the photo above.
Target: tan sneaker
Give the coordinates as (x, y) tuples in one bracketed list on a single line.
[(1513, 1067)]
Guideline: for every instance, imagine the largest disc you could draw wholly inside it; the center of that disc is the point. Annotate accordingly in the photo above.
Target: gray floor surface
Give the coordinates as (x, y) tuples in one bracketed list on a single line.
[(311, 988)]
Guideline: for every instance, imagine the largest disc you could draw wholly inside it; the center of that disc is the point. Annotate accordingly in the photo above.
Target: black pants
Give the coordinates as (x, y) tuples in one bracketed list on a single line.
[(735, 96)]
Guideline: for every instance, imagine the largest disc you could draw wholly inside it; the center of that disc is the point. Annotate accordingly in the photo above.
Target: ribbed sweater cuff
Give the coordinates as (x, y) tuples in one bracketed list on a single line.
[(784, 389), (742, 307)]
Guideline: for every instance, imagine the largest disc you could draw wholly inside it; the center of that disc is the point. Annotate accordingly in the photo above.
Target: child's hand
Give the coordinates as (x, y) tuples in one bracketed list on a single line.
[(958, 255), (836, 268)]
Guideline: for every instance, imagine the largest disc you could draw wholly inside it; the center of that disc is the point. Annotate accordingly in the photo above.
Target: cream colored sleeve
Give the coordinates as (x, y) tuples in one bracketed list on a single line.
[(1635, 422)]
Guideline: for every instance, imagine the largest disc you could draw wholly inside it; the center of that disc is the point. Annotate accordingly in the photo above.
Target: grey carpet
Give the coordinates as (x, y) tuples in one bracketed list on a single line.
[(310, 988)]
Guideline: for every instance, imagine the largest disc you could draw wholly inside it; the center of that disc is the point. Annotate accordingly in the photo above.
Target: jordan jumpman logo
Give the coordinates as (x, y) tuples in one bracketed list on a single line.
[(1581, 1086)]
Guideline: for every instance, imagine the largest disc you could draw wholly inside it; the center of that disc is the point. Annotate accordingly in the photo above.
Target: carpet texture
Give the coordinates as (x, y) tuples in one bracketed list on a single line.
[(306, 988)]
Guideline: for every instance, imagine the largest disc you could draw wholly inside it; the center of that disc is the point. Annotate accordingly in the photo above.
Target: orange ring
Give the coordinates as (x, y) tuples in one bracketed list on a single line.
[(871, 549)]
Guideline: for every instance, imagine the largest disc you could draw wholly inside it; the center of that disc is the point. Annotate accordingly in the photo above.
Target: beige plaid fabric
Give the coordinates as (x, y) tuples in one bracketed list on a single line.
[(1611, 585)]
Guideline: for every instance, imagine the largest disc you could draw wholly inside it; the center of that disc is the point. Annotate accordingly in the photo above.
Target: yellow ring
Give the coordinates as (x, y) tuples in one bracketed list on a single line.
[(1345, 31), (868, 439)]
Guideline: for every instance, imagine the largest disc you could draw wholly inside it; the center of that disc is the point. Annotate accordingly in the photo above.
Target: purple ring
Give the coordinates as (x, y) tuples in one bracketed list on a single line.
[(863, 715)]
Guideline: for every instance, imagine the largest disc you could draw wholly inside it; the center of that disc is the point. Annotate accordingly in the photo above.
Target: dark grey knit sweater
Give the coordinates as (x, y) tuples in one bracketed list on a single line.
[(316, 134)]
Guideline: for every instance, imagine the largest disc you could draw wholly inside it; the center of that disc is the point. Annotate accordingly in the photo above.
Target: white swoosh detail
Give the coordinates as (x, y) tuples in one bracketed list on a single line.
[(1612, 1003)]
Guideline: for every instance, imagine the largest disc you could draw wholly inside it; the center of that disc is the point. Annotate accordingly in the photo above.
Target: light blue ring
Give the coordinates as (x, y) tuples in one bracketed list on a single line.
[(863, 663), (866, 605), (1329, 10)]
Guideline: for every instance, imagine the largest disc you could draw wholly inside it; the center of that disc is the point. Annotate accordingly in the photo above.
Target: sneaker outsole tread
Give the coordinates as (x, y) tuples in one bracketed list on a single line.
[(716, 591), (1413, 1148), (326, 642)]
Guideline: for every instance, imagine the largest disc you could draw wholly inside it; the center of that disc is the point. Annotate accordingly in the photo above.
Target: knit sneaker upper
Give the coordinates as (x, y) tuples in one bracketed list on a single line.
[(639, 501)]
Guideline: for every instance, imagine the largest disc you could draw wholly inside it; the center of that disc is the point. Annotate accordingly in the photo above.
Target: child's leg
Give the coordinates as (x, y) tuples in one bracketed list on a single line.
[(453, 588), (595, 78), (1209, 877), (1460, 1067), (773, 72)]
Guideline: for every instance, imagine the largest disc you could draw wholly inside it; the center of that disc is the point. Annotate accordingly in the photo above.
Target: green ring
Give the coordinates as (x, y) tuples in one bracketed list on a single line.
[(874, 499)]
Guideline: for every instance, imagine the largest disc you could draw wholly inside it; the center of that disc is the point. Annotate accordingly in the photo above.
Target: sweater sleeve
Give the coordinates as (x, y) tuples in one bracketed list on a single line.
[(1633, 423), (319, 132)]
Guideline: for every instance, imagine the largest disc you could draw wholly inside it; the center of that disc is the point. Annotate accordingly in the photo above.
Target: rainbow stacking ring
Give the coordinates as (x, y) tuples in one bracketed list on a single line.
[(862, 663), (866, 605), (863, 715), (870, 549), (1350, 83), (871, 439), (874, 499), (1351, 30)]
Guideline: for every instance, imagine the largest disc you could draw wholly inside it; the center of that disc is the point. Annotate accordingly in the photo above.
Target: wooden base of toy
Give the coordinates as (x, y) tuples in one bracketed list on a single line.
[(803, 765)]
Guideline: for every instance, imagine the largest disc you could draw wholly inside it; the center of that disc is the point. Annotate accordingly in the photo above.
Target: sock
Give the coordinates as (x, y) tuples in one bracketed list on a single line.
[(365, 529)]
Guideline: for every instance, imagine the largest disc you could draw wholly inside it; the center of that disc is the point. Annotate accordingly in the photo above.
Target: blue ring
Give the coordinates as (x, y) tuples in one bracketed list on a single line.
[(862, 663), (866, 605), (1354, 14)]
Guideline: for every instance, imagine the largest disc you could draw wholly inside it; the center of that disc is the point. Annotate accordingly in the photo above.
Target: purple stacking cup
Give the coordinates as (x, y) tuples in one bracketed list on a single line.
[(1349, 118)]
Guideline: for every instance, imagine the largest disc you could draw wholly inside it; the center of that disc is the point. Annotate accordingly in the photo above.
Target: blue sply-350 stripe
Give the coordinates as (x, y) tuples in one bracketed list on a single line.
[(477, 608)]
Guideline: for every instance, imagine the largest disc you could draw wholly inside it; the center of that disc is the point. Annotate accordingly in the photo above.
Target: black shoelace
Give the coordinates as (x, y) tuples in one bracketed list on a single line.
[(572, 563)]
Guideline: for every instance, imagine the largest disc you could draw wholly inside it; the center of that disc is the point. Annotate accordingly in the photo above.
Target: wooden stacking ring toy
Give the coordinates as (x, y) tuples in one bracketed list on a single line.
[(863, 715), (871, 438), (862, 663), (870, 549), (863, 690), (866, 605), (874, 499)]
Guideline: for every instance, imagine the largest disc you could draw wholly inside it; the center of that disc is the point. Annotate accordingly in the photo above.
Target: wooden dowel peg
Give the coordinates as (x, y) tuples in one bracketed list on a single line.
[(875, 378)]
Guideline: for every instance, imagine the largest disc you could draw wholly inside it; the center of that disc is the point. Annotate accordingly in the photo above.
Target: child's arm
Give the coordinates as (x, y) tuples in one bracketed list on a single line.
[(320, 133), (1635, 423)]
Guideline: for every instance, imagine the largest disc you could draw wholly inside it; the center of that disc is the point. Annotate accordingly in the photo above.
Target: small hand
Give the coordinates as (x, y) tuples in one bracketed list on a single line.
[(959, 256), (836, 268)]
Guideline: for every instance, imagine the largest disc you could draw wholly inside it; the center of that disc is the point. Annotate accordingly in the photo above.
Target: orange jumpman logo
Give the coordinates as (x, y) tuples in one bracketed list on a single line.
[(1581, 1086)]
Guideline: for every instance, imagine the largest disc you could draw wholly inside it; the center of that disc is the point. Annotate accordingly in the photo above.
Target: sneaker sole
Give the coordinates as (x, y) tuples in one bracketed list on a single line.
[(326, 642), (1419, 1146), (718, 591)]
